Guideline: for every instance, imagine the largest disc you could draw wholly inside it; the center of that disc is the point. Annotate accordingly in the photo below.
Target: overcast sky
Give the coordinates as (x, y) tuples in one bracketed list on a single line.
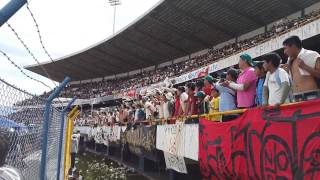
[(67, 26)]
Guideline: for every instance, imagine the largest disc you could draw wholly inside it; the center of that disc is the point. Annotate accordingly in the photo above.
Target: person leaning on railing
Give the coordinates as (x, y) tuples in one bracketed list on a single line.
[(203, 106)]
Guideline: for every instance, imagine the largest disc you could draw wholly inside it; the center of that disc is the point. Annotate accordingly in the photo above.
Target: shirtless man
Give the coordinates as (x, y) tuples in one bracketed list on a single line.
[(304, 68)]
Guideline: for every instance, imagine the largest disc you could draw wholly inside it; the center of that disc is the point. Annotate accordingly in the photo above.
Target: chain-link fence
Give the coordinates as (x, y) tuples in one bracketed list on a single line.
[(31, 144), (53, 143), (21, 120)]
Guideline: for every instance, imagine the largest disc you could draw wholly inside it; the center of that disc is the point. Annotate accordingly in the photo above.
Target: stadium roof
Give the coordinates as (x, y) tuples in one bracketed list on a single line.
[(169, 30)]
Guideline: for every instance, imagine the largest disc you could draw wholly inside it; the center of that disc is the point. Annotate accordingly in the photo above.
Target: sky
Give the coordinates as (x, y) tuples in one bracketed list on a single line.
[(66, 26)]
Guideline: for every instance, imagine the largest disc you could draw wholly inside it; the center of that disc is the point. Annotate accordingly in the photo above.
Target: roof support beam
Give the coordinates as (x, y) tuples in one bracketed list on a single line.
[(203, 21), (145, 47), (179, 31), (160, 40), (148, 61), (241, 13)]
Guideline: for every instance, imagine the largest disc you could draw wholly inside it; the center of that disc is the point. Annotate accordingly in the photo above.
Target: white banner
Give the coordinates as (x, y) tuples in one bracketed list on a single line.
[(179, 139), (309, 30), (191, 141), (175, 162), (105, 134)]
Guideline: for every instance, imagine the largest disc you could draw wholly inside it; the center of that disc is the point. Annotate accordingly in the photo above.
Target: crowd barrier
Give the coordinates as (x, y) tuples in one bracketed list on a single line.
[(260, 144)]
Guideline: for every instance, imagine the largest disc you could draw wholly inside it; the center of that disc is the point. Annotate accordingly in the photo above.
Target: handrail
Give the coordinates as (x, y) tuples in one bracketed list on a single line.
[(183, 118)]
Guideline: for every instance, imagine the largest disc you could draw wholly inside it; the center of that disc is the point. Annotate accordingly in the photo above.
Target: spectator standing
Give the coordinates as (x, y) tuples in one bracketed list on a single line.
[(168, 106), (149, 109), (183, 96), (160, 105), (227, 95), (177, 105), (141, 115), (261, 74), (192, 102), (199, 86), (203, 107), (277, 84), (246, 83), (74, 149), (214, 102), (208, 80), (304, 67)]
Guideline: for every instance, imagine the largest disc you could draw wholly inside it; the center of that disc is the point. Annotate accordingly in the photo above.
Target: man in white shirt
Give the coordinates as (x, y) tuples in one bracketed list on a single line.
[(149, 109), (277, 84), (304, 68), (183, 99)]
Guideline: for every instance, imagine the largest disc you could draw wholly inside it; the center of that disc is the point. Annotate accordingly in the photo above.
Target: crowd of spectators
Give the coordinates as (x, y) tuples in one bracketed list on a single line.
[(263, 84), (119, 85)]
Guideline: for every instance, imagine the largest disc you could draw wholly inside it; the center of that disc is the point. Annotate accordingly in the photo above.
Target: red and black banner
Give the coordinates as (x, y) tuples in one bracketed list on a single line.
[(263, 144)]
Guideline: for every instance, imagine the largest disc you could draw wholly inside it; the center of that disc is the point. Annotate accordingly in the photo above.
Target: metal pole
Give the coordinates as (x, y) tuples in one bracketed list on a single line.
[(114, 18), (10, 9), (63, 115), (46, 122)]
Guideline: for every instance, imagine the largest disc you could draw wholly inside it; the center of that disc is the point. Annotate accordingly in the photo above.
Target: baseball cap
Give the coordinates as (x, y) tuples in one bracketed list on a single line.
[(247, 58)]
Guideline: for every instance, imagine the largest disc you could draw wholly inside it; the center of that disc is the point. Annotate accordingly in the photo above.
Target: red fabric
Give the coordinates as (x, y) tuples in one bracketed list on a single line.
[(204, 72), (176, 108), (192, 100), (207, 90), (263, 145)]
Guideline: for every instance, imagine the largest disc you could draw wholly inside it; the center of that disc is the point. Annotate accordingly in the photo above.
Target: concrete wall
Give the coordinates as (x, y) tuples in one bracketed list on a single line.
[(312, 8), (109, 77), (168, 63), (97, 79), (134, 72), (199, 53), (224, 44), (74, 82), (121, 75), (180, 59), (149, 68)]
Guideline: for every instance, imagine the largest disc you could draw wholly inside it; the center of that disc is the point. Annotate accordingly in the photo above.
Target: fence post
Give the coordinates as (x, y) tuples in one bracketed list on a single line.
[(10, 9), (63, 115), (46, 122)]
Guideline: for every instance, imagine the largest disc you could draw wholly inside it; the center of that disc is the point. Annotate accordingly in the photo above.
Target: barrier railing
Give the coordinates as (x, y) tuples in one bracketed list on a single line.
[(74, 113)]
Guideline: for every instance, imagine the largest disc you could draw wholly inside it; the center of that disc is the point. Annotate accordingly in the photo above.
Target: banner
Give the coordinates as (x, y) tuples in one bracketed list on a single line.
[(261, 144), (175, 162), (142, 140), (179, 139)]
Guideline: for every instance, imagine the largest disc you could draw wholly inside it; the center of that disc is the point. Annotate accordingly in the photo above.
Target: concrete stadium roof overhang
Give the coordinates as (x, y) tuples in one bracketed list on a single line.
[(169, 30)]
